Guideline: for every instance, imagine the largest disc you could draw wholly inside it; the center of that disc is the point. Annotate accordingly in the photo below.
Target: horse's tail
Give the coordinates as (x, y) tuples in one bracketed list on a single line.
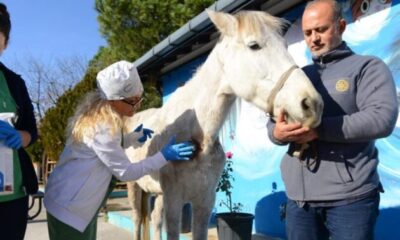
[(145, 215)]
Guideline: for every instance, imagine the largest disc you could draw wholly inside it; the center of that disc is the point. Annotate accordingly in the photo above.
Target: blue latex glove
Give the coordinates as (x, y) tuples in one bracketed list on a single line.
[(9, 135), (147, 133), (139, 128), (4, 132), (178, 151)]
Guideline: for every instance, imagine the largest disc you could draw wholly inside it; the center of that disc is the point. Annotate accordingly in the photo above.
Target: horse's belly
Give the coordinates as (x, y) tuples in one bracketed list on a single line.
[(150, 183), (193, 179)]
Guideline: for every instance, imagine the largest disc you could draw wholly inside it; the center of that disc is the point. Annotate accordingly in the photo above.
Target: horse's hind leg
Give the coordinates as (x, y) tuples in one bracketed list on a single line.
[(135, 197), (156, 217)]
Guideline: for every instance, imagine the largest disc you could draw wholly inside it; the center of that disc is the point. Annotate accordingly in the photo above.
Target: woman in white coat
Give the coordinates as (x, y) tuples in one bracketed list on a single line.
[(93, 154)]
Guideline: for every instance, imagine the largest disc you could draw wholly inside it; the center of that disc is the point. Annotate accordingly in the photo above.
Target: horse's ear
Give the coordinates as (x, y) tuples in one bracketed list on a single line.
[(226, 23)]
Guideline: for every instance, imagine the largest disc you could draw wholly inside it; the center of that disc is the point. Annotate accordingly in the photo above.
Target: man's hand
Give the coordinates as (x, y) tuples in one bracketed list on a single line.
[(292, 132), (308, 136)]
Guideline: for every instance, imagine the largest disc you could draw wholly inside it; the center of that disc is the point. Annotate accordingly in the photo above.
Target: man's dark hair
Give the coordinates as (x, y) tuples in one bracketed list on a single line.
[(337, 9), (5, 23)]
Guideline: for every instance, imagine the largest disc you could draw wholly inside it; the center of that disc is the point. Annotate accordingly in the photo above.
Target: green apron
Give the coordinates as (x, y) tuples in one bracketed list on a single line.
[(8, 105)]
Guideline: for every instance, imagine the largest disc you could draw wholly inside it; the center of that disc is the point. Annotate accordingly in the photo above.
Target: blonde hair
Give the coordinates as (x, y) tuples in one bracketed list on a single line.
[(91, 111)]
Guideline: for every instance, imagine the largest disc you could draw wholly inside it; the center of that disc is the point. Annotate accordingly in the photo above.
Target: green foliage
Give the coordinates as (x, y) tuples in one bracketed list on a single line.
[(35, 150), (152, 96), (225, 185), (132, 27), (104, 57)]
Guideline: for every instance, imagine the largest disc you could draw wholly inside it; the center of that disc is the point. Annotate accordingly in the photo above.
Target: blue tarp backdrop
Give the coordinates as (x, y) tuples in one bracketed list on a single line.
[(373, 29)]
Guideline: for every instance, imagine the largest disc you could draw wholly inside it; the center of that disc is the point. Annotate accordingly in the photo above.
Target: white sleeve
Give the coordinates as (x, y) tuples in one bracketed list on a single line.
[(108, 149)]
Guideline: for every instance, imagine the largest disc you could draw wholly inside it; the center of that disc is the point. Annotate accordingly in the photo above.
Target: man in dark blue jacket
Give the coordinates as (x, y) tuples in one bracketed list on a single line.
[(333, 190)]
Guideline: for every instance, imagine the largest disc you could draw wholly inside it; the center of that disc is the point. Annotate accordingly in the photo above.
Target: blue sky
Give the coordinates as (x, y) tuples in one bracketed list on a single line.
[(52, 29)]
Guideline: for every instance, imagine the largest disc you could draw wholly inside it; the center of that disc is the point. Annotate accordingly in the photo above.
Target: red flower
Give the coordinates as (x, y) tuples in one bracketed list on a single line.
[(229, 154)]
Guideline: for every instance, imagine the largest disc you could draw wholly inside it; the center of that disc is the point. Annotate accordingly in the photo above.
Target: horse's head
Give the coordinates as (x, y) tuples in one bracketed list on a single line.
[(258, 68)]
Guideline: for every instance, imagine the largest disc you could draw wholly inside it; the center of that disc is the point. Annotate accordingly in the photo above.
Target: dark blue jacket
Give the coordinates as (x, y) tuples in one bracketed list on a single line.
[(360, 106), (26, 122)]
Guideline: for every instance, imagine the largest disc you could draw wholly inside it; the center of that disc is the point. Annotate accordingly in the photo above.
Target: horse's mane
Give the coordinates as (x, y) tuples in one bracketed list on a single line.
[(250, 21)]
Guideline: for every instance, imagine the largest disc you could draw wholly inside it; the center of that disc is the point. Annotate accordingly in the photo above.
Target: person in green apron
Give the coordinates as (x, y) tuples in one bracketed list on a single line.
[(17, 130), (94, 154)]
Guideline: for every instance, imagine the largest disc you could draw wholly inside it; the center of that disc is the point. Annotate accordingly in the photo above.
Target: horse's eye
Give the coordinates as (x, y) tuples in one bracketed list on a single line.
[(254, 46)]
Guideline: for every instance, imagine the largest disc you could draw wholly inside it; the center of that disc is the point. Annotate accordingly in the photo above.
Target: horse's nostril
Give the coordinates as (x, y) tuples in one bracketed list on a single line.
[(305, 104)]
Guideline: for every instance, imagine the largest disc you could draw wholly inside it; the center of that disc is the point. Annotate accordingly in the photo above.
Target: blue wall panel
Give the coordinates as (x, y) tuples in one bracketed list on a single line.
[(178, 77)]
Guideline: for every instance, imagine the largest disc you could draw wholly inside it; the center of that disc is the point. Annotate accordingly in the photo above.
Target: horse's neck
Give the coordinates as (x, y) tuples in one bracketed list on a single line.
[(215, 98), (199, 108)]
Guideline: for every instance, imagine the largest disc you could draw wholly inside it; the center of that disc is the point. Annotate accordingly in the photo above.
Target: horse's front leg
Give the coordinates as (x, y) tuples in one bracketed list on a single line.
[(173, 210), (135, 198), (201, 211), (157, 216)]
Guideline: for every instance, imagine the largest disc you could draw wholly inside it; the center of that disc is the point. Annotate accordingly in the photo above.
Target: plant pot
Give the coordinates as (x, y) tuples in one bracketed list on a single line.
[(234, 226)]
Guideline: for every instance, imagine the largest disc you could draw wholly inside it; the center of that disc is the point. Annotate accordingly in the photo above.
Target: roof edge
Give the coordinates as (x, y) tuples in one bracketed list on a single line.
[(191, 28)]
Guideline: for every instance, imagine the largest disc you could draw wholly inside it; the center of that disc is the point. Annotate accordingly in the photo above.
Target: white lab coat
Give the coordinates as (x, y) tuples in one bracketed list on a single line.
[(79, 182)]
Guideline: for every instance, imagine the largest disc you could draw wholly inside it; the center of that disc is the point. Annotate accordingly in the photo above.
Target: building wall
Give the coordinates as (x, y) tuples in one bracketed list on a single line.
[(372, 29), (178, 77)]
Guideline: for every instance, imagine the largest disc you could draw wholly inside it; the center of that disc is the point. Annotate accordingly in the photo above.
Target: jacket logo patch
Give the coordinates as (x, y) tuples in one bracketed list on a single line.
[(342, 85)]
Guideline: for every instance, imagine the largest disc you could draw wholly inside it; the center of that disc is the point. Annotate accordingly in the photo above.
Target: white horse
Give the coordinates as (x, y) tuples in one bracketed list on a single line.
[(250, 61)]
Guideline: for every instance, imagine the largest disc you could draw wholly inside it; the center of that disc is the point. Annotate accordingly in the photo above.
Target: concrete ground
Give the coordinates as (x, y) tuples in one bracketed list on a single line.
[(113, 224), (37, 228), (119, 214)]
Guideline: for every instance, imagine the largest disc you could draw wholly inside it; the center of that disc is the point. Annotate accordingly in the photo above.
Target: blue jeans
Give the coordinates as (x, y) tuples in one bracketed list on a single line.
[(354, 221)]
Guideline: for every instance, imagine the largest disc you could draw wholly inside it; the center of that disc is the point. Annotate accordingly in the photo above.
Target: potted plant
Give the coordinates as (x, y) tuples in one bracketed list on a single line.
[(232, 225)]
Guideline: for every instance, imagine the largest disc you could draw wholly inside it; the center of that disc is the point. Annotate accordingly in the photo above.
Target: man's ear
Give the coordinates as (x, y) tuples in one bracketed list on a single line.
[(342, 25)]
